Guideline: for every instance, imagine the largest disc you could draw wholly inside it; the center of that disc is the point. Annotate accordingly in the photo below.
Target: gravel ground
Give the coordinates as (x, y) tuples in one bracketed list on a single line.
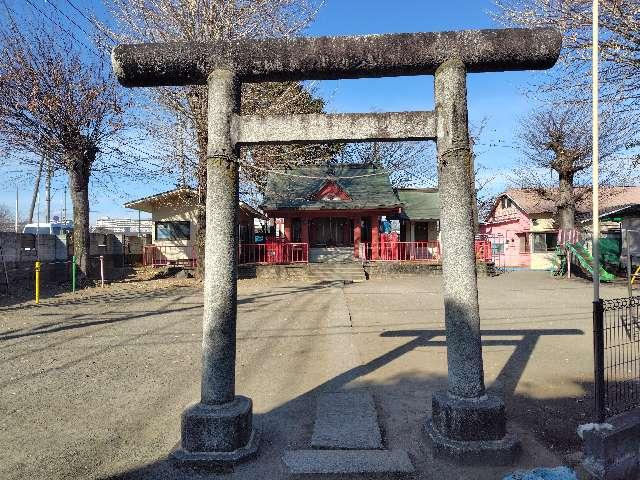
[(93, 384)]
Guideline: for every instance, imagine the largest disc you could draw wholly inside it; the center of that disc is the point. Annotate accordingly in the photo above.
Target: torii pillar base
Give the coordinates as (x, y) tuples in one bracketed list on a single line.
[(467, 425), (217, 436), (471, 431)]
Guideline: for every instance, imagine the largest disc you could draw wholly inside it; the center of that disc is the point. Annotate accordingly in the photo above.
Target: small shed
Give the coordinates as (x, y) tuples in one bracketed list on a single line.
[(175, 223)]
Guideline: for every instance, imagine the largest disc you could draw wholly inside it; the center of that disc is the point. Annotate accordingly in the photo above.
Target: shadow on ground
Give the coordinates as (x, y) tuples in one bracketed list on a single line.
[(553, 421)]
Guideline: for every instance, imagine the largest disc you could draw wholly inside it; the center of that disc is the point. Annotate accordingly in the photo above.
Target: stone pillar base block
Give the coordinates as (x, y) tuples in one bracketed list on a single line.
[(217, 435), (471, 430), (493, 452), (466, 419), (612, 449)]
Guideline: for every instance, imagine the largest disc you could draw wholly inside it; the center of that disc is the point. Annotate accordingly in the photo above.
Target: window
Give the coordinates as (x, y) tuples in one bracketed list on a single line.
[(173, 230), (545, 242)]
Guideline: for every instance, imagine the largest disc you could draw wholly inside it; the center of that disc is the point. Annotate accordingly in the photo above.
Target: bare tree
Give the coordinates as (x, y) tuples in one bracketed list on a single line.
[(409, 163), (558, 140), (619, 48), (204, 20), (57, 103)]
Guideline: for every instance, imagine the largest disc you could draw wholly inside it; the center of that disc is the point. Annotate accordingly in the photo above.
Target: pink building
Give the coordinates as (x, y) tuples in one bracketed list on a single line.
[(522, 228), (508, 226)]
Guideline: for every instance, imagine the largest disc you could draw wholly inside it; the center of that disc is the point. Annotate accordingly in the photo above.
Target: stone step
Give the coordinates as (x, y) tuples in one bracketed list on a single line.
[(346, 420), (356, 273), (330, 278), (347, 461), (336, 270), (334, 266)]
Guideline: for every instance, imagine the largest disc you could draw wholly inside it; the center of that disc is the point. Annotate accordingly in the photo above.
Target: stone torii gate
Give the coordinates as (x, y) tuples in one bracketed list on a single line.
[(465, 419)]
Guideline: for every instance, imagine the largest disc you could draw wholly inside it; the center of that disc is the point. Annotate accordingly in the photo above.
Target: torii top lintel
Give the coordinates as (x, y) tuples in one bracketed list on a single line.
[(328, 58)]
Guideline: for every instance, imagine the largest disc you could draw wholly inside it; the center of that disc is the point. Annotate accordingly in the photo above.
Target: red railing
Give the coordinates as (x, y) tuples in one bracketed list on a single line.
[(159, 255), (248, 253), (410, 251), (418, 251), (273, 253), (483, 250)]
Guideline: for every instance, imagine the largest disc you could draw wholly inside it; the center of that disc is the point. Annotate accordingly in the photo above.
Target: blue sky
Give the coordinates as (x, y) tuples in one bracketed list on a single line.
[(496, 98)]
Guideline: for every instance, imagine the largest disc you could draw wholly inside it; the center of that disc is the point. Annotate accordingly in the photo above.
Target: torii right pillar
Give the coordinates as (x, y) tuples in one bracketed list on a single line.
[(466, 423)]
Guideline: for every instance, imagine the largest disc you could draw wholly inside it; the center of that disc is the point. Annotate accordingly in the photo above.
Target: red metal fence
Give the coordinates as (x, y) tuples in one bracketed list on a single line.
[(248, 253), (273, 253), (483, 250), (409, 251), (418, 251), (281, 253)]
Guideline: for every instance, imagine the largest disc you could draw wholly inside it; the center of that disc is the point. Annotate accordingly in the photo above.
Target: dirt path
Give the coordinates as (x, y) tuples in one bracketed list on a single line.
[(93, 385)]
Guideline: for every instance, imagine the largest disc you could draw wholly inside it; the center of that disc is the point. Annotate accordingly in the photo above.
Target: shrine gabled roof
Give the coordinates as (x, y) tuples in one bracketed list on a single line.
[(420, 203), (368, 187)]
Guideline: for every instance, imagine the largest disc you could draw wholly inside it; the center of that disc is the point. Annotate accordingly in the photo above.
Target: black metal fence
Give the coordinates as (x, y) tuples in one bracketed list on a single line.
[(616, 337)]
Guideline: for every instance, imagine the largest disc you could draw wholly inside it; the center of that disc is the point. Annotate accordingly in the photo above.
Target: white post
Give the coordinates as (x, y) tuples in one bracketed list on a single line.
[(595, 153), (629, 274), (16, 209), (102, 271)]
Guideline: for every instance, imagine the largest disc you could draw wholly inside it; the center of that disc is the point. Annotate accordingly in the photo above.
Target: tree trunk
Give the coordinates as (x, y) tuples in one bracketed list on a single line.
[(566, 202), (79, 170), (197, 97)]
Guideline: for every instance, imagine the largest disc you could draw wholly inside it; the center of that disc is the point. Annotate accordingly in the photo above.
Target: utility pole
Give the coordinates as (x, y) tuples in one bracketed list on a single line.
[(65, 204), (36, 188), (17, 214), (48, 190)]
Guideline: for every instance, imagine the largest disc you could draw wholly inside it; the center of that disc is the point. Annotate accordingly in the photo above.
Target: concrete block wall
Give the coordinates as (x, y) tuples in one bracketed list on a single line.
[(20, 247), (20, 252)]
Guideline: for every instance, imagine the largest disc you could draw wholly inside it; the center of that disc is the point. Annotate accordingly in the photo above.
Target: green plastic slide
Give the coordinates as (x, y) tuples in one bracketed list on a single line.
[(586, 261)]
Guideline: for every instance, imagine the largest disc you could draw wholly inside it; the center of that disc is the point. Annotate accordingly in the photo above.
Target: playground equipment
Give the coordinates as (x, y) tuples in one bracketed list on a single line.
[(585, 260)]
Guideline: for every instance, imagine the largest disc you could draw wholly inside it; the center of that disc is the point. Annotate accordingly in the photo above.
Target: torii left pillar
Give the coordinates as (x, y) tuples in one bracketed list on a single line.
[(218, 429)]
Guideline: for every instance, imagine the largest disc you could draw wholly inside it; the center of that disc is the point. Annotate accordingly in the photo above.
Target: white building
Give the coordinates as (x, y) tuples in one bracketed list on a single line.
[(126, 225)]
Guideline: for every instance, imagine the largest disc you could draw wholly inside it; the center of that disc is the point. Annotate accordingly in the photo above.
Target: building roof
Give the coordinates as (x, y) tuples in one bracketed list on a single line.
[(180, 196), (538, 201), (367, 187), (420, 203), (632, 210)]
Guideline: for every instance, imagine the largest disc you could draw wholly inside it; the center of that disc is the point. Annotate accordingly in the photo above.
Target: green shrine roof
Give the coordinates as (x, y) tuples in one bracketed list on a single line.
[(420, 203), (367, 187)]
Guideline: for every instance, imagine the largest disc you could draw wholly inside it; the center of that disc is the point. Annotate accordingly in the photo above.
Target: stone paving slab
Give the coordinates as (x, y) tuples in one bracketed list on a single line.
[(347, 461), (346, 420)]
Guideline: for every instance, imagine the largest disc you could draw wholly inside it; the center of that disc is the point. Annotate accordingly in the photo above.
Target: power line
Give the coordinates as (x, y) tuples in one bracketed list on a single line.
[(71, 35), (68, 18), (107, 35)]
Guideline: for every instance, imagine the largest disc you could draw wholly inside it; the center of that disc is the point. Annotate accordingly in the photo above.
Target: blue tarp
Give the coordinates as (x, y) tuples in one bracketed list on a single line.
[(560, 473)]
